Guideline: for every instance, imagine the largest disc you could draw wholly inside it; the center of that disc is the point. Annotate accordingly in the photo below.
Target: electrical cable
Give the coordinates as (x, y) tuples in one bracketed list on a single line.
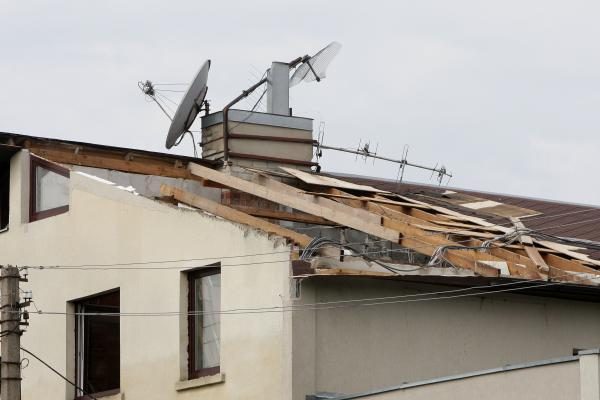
[(172, 91), (163, 97), (110, 265), (99, 266), (58, 373), (365, 302), (253, 109)]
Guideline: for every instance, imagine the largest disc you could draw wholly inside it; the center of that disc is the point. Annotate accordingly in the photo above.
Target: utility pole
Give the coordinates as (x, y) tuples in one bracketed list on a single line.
[(10, 321)]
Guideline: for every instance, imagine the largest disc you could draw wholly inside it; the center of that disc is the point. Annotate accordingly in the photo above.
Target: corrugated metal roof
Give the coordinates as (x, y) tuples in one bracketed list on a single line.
[(556, 218)]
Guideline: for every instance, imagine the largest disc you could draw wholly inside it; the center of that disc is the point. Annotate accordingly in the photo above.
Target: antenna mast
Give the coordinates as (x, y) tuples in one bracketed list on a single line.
[(366, 153)]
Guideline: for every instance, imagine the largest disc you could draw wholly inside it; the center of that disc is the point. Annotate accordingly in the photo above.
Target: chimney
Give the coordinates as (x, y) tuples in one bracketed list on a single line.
[(278, 88)]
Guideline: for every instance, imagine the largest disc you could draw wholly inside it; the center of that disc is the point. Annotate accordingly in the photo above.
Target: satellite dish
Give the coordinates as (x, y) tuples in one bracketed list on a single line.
[(189, 107), (314, 68)]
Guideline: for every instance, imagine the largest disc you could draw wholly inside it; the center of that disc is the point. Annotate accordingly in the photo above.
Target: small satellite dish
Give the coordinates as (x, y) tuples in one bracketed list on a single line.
[(314, 68), (189, 107)]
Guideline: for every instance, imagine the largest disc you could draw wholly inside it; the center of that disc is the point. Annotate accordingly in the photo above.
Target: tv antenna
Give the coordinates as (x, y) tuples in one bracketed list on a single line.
[(320, 138), (188, 109), (365, 152)]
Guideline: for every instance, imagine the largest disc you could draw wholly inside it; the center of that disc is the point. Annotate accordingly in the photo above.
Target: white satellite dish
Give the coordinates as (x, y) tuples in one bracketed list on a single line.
[(189, 107), (314, 68)]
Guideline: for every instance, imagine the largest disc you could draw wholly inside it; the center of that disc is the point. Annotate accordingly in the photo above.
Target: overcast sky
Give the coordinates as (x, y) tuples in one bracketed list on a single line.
[(505, 94)]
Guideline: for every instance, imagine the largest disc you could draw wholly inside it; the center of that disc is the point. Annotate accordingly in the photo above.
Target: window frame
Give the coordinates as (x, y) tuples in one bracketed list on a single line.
[(192, 276), (5, 197), (40, 162), (79, 326)]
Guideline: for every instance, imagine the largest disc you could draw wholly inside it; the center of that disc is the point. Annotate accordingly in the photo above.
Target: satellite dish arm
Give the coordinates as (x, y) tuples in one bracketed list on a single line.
[(244, 94), (298, 60), (313, 71)]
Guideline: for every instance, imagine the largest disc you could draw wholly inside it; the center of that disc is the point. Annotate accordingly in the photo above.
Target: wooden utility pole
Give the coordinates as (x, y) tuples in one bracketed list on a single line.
[(10, 367)]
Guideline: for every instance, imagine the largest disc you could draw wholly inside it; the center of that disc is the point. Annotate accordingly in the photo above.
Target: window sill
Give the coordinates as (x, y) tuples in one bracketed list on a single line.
[(108, 395), (199, 382), (116, 396)]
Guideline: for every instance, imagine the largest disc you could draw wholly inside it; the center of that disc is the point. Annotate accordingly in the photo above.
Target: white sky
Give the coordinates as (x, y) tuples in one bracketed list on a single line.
[(504, 94)]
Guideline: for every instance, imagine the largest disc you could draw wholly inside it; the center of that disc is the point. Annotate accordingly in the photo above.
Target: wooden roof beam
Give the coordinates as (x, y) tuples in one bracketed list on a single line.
[(267, 188), (233, 215)]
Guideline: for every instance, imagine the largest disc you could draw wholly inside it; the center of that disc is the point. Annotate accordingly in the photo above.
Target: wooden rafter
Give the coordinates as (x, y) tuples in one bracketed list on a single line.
[(528, 269), (132, 163), (282, 215), (267, 188), (233, 215)]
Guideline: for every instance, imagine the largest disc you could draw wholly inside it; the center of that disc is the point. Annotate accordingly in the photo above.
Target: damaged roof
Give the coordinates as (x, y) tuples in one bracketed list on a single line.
[(557, 218), (441, 231)]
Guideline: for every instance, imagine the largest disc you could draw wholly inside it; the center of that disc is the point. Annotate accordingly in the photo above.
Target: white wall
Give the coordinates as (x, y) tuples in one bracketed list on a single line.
[(108, 225)]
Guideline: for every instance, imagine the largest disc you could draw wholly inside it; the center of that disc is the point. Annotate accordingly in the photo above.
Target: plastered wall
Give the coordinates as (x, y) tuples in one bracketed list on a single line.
[(106, 225), (356, 349)]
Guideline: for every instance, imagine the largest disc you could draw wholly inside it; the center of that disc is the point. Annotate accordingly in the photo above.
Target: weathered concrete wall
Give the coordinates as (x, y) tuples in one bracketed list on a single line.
[(106, 225), (350, 350)]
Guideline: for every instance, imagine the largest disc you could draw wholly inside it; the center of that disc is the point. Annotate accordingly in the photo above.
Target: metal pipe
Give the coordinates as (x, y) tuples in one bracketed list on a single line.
[(244, 94)]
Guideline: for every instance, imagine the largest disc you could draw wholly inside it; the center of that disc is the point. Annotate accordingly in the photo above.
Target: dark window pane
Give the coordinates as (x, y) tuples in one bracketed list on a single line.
[(4, 194), (99, 350)]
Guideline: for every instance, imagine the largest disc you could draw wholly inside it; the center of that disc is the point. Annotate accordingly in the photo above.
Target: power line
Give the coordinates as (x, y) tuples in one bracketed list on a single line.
[(57, 373), (330, 305), (129, 265), (217, 258)]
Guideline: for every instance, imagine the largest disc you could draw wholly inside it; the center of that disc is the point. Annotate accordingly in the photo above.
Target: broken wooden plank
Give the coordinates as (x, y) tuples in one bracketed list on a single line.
[(375, 199), (572, 254), (233, 215), (428, 243), (282, 215), (562, 264), (528, 246), (514, 259), (455, 214), (373, 206), (278, 192), (321, 180), (113, 162), (391, 216), (462, 225), (458, 232)]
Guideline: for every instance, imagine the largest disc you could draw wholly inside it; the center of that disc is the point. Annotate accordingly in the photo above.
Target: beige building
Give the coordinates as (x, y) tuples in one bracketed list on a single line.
[(156, 276)]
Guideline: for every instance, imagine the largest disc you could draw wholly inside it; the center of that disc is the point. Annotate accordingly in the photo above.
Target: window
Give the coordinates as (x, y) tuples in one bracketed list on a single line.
[(4, 194), (204, 322), (49, 189), (97, 345)]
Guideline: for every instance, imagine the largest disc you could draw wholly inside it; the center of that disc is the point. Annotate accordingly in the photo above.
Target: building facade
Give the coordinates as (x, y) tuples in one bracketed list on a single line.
[(141, 296)]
